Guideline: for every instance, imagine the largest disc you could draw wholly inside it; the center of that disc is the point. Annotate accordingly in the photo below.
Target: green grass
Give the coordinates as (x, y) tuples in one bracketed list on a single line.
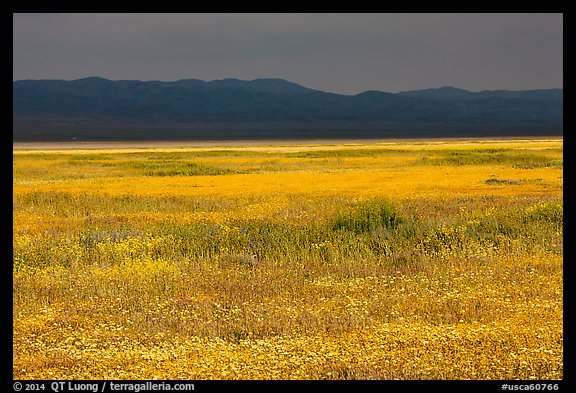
[(507, 157), (374, 229), (339, 153), (369, 216)]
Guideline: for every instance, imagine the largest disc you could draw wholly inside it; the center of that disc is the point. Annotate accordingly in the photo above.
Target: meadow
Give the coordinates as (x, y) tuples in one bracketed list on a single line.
[(372, 260)]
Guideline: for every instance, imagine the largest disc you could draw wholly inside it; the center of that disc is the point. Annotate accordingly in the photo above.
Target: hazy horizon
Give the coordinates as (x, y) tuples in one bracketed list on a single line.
[(326, 91), (341, 53)]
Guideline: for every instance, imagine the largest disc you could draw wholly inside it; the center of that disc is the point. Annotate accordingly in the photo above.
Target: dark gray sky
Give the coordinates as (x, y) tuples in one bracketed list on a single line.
[(341, 53)]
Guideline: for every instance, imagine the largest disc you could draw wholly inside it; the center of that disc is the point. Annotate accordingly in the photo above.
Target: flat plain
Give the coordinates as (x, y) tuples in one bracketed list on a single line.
[(349, 260)]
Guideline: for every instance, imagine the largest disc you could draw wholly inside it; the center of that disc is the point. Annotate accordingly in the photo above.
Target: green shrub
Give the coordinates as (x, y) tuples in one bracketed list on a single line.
[(367, 217), (547, 212)]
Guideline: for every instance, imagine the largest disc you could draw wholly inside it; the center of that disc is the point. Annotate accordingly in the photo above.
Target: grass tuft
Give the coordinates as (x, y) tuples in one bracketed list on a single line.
[(369, 216)]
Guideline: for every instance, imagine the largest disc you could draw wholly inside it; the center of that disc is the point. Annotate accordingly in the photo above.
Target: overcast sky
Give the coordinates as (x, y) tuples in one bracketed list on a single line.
[(340, 53)]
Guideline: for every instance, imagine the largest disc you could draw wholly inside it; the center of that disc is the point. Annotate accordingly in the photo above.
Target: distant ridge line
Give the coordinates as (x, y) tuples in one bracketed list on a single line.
[(99, 108)]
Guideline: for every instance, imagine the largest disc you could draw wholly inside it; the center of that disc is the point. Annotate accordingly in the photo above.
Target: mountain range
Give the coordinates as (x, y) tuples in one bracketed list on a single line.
[(95, 108)]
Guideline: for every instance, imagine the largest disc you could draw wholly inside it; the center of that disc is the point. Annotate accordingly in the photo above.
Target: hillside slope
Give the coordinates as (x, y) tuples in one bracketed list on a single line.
[(97, 108)]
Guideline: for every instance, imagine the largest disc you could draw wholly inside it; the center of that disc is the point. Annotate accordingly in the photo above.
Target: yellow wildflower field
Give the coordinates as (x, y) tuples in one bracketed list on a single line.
[(364, 260)]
